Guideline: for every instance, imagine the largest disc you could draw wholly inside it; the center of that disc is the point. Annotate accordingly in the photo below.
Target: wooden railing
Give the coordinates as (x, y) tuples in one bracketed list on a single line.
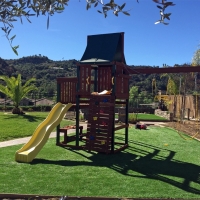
[(67, 89)]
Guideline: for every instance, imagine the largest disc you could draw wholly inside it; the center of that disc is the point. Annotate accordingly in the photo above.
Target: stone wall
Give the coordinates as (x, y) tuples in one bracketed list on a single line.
[(164, 114)]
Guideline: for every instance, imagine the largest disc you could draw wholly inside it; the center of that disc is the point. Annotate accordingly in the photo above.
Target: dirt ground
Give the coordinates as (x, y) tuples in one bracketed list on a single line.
[(190, 128)]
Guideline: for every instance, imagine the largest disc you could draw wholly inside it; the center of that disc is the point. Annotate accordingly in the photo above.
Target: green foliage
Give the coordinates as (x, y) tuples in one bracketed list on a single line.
[(136, 98), (172, 88), (133, 94), (132, 117), (196, 58), (14, 88), (45, 108), (11, 11), (46, 71), (43, 69)]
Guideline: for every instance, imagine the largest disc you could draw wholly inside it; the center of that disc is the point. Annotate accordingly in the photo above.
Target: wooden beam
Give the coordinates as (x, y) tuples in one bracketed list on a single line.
[(143, 70)]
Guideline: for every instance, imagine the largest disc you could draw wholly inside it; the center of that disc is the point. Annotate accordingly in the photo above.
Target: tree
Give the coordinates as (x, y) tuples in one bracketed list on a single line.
[(196, 62), (196, 58), (172, 88), (133, 94), (15, 90), (11, 10)]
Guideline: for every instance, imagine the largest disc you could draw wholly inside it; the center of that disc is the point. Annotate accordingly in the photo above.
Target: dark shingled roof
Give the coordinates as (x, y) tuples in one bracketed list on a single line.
[(104, 48)]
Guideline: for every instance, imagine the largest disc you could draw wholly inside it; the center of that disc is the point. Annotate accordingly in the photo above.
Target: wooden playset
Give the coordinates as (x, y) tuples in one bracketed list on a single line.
[(102, 68)]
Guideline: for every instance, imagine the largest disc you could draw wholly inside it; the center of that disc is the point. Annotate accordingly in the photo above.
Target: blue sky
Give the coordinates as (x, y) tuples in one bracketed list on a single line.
[(145, 42)]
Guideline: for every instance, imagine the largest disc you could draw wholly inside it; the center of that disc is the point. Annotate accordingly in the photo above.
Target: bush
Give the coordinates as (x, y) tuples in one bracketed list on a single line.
[(42, 108), (132, 118)]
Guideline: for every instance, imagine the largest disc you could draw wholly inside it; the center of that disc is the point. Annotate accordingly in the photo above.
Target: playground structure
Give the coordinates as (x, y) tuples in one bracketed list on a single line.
[(103, 67), (101, 84)]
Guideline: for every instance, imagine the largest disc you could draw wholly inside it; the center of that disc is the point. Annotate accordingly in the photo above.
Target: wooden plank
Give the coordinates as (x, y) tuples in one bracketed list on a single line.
[(66, 79), (97, 130), (122, 96)]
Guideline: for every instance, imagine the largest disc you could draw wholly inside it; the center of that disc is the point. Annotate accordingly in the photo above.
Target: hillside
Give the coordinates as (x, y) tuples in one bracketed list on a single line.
[(40, 67), (5, 68), (46, 71)]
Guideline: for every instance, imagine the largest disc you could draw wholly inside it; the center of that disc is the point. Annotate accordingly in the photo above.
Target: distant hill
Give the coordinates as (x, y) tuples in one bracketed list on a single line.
[(46, 71), (42, 68), (5, 68)]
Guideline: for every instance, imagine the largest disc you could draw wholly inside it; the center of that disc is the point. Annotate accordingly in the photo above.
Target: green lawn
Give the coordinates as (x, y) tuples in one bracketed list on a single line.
[(17, 126), (142, 116), (158, 163)]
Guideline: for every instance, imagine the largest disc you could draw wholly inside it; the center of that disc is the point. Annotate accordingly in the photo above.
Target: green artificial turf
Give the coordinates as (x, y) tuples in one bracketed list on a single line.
[(18, 126), (157, 164), (142, 116)]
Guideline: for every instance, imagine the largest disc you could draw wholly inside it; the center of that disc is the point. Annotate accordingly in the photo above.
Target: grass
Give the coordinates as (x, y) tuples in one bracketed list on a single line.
[(26, 124), (157, 164), (143, 117), (18, 126)]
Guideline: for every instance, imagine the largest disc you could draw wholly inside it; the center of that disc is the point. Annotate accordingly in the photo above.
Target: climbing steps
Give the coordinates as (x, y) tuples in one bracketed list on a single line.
[(100, 127)]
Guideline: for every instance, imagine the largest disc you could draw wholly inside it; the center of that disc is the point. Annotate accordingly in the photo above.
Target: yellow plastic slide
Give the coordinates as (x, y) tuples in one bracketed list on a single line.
[(39, 138)]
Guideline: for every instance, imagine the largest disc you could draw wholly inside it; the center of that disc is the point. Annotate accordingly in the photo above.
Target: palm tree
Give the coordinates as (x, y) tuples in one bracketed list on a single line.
[(15, 90)]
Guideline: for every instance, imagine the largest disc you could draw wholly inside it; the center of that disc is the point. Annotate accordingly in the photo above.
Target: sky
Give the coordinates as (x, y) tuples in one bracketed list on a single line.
[(145, 43)]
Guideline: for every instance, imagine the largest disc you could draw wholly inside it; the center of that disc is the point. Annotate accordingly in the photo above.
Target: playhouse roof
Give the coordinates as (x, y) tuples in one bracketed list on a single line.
[(104, 48)]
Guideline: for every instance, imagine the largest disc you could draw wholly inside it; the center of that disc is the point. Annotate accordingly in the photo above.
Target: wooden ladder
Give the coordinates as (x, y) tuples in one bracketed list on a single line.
[(100, 123)]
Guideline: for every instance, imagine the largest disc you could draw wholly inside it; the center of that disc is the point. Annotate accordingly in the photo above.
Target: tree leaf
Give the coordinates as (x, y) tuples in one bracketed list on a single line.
[(88, 6), (12, 37), (121, 7), (108, 4), (21, 20), (159, 7), (99, 11), (116, 14), (38, 12), (15, 51), (9, 32), (16, 47), (96, 4), (126, 13), (28, 2), (28, 20), (48, 22), (168, 17), (156, 1)]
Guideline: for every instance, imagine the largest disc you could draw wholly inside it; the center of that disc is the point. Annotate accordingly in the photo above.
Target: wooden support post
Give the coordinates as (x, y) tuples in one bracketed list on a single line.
[(77, 106), (126, 122), (126, 118), (95, 80), (113, 124), (58, 127)]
